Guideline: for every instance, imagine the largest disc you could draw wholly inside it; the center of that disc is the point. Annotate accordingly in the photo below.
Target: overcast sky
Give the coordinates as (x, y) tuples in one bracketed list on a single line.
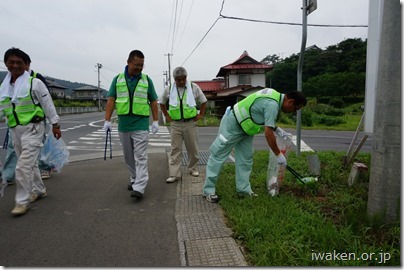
[(66, 39)]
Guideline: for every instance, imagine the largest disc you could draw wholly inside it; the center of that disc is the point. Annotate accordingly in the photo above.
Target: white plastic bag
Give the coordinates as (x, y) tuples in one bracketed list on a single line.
[(276, 173), (55, 153)]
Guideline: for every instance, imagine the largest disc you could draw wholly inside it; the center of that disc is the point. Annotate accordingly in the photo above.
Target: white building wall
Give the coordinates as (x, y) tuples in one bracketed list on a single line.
[(233, 80), (256, 80)]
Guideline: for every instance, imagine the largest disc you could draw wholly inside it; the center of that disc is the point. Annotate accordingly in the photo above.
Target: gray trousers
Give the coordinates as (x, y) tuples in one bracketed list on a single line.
[(134, 146), (183, 132)]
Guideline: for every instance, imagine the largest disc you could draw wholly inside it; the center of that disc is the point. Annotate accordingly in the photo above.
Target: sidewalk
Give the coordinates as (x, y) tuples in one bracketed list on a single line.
[(89, 220), (203, 237)]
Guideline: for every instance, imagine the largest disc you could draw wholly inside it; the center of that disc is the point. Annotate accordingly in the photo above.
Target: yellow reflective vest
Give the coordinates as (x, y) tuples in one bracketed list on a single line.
[(22, 112), (139, 102), (242, 110), (182, 108)]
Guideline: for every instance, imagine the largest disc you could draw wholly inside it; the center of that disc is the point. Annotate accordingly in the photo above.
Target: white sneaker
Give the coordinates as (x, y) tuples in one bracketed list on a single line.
[(171, 179), (195, 173)]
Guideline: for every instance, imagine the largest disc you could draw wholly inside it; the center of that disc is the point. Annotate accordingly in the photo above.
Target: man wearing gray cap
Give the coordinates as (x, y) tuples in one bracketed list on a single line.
[(181, 111)]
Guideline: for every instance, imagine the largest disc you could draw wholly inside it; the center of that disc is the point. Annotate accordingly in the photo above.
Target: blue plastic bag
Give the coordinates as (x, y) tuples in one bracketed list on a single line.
[(55, 153)]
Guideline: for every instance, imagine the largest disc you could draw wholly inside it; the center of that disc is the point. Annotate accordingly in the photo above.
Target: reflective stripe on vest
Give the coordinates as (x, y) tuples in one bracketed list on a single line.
[(139, 102), (187, 111), (242, 110), (23, 111)]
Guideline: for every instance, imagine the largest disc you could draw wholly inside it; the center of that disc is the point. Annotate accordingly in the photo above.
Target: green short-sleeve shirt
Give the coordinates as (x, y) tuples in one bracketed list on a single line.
[(131, 122), (265, 110)]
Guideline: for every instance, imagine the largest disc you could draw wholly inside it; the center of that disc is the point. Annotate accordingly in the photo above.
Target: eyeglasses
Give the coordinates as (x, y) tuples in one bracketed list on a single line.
[(137, 65)]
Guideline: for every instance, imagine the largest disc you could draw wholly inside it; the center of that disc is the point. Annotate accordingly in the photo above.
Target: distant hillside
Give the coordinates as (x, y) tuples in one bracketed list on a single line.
[(69, 85)]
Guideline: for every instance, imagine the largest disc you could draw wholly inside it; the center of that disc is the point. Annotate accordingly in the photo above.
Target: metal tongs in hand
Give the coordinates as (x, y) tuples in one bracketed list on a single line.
[(303, 180), (108, 134)]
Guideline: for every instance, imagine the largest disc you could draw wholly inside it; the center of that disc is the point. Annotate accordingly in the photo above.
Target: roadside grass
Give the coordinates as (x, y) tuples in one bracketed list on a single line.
[(303, 222), (348, 121)]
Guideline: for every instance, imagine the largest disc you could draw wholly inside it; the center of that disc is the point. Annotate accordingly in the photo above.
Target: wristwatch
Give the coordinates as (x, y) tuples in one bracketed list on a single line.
[(56, 125)]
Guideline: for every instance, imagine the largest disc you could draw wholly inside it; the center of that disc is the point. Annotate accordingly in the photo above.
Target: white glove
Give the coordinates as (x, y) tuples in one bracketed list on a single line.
[(281, 160), (155, 127), (281, 133), (107, 126)]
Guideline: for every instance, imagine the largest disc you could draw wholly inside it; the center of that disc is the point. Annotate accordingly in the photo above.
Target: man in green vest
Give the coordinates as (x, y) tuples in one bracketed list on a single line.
[(182, 98), (25, 101), (254, 114), (132, 94)]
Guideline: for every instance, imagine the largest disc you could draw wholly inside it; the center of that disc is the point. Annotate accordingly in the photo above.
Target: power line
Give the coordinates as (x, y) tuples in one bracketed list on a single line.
[(185, 26), (221, 16), (289, 23), (204, 35), (200, 41), (171, 23), (175, 25)]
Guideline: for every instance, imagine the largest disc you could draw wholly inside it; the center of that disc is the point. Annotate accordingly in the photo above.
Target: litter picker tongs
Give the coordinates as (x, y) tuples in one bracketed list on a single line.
[(106, 145), (304, 180)]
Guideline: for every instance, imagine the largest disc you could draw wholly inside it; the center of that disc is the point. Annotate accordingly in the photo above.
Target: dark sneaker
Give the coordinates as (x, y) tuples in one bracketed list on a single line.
[(45, 174), (136, 194), (212, 198), (244, 195), (130, 186)]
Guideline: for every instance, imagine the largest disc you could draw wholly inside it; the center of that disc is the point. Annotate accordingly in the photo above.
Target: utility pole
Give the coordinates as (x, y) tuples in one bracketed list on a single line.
[(385, 177), (99, 66), (308, 7), (169, 68), (166, 78)]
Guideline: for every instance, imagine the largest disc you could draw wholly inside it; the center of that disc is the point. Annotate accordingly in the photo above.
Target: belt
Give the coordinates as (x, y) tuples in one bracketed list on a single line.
[(185, 120)]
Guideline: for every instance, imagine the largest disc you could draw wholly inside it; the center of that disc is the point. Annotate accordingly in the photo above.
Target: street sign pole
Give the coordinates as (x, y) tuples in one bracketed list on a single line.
[(307, 9)]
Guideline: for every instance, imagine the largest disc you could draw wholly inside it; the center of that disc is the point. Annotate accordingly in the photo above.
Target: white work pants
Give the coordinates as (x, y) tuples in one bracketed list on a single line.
[(28, 141)]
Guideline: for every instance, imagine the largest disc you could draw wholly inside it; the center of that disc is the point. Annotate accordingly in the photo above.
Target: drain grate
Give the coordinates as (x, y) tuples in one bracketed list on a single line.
[(203, 158)]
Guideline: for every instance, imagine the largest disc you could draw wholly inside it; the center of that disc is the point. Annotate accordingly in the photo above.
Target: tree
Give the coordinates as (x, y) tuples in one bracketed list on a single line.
[(339, 70), (271, 59)]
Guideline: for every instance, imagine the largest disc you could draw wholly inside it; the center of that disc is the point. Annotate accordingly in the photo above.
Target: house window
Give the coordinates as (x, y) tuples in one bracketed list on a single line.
[(244, 79)]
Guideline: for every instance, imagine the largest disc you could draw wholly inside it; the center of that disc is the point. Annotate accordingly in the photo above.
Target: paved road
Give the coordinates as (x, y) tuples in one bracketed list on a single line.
[(90, 220)]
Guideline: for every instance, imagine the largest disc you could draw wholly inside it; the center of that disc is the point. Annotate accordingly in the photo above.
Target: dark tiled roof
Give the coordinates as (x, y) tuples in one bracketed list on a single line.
[(86, 88), (243, 62)]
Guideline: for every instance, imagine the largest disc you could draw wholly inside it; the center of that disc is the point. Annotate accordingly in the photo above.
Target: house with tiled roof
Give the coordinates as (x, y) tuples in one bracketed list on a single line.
[(90, 93), (234, 81), (56, 89)]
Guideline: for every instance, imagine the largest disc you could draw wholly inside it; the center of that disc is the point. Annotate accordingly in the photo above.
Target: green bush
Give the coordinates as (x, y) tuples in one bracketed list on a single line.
[(72, 103), (307, 117), (286, 119), (321, 108), (337, 103), (329, 120)]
